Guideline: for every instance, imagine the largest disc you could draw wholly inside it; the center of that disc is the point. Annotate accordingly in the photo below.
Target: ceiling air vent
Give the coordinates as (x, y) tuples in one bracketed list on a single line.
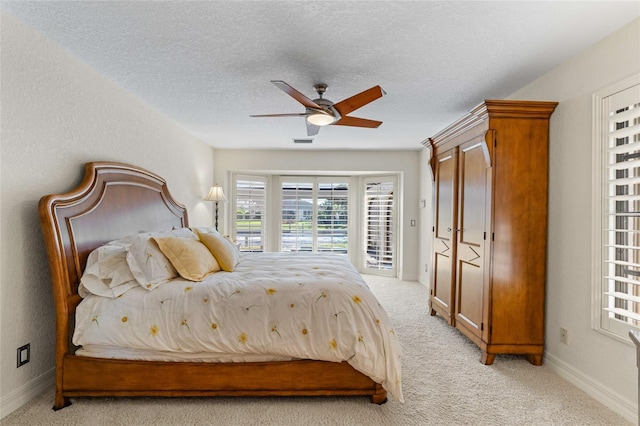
[(302, 140)]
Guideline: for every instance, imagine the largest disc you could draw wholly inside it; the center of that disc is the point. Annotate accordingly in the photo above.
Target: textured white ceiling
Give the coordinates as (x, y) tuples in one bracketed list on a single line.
[(207, 64)]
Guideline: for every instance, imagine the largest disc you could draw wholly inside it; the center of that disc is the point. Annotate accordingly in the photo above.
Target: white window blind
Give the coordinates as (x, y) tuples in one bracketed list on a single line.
[(297, 216), (619, 289), (315, 214), (319, 214), (250, 207), (379, 208), (333, 216)]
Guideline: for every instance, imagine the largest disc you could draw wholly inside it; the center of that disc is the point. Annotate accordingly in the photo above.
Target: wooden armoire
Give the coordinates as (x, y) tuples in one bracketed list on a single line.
[(488, 277)]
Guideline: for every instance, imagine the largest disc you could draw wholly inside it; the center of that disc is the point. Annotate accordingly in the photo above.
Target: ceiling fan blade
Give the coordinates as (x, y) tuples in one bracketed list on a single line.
[(357, 122), (312, 129), (293, 114), (295, 94), (359, 100)]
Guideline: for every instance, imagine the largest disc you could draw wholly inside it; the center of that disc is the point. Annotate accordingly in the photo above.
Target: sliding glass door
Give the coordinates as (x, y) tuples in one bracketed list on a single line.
[(379, 225)]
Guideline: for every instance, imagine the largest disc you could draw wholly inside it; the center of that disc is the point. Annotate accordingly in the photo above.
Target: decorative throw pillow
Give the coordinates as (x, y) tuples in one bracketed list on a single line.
[(233, 243), (177, 232), (222, 249), (190, 257), (148, 264), (204, 230)]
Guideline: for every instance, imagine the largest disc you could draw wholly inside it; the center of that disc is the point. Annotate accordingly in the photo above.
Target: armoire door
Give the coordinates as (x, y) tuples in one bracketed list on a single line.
[(445, 196), (471, 238)]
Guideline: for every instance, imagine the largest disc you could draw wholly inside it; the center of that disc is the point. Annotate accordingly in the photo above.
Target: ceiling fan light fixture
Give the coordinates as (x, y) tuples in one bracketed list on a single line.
[(322, 112), (320, 119)]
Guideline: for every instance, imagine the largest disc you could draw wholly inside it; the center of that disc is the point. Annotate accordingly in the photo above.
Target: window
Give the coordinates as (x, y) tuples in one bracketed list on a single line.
[(353, 216), (250, 206), (333, 216), (379, 211), (617, 195), (314, 214), (297, 216)]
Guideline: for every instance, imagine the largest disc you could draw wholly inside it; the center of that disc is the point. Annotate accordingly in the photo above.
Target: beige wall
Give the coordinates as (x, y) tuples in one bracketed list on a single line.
[(342, 162), (57, 114)]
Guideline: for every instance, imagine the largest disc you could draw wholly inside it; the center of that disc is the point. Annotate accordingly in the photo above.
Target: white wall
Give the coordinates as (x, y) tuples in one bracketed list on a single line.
[(426, 218), (603, 360), (406, 162), (604, 367), (57, 114)]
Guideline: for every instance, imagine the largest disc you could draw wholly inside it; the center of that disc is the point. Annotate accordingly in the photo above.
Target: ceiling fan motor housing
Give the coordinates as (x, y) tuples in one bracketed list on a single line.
[(327, 108), (324, 103)]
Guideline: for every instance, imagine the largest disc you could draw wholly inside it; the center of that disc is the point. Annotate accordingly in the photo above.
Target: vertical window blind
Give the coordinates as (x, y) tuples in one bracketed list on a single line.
[(621, 222)]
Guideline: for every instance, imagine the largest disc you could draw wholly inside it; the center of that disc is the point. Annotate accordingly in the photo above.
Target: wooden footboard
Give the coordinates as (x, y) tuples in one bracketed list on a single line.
[(84, 376)]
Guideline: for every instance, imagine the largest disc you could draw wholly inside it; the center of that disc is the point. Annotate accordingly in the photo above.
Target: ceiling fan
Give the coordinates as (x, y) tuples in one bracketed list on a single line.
[(322, 112)]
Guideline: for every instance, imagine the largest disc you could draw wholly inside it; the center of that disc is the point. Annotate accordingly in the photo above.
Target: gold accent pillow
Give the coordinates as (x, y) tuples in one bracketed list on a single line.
[(222, 249), (191, 258)]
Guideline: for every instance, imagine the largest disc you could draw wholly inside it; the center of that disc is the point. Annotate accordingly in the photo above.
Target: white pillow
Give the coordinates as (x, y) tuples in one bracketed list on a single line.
[(148, 264), (107, 273)]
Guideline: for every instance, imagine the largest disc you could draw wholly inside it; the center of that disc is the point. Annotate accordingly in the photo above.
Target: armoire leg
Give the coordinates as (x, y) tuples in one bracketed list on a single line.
[(60, 403), (535, 359), (487, 358)]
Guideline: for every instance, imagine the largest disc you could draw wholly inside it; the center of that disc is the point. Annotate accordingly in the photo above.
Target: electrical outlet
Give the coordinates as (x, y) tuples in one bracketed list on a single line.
[(24, 353), (564, 335)]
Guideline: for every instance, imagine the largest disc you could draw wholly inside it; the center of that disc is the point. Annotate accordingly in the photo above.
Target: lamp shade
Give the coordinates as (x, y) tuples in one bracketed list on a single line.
[(215, 194)]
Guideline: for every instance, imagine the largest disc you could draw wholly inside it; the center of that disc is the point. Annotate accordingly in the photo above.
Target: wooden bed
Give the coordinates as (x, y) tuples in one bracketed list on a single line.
[(115, 200)]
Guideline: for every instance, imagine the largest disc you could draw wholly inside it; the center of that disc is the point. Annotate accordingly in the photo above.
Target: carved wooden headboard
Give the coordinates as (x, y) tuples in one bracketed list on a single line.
[(112, 201)]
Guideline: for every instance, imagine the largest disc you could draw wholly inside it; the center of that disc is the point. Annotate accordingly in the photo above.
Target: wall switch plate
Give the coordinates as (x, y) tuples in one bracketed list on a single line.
[(564, 335), (24, 353)]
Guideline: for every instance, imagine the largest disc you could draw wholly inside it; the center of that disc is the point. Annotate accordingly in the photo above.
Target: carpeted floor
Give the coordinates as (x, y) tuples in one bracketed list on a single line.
[(443, 382)]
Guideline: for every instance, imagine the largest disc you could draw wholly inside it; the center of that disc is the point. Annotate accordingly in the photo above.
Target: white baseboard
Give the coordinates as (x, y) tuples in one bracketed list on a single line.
[(27, 392), (409, 277), (616, 402)]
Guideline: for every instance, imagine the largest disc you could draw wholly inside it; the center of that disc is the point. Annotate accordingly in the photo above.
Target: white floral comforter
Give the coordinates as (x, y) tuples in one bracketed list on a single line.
[(309, 306)]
